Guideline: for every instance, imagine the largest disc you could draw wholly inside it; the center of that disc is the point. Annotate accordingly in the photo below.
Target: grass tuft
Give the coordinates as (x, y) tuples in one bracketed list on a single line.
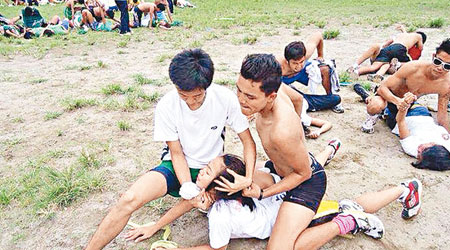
[(112, 89), (123, 125), (70, 104), (330, 34), (436, 23), (52, 115)]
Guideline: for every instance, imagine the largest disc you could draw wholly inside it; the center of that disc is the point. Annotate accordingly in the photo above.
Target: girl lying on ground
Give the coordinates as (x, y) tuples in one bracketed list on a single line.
[(237, 216), (422, 138)]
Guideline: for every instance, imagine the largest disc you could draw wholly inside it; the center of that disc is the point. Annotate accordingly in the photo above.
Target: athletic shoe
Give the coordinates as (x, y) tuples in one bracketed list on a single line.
[(369, 224), (335, 144), (338, 109), (394, 65), (369, 123), (375, 78), (358, 88), (412, 201), (347, 204)]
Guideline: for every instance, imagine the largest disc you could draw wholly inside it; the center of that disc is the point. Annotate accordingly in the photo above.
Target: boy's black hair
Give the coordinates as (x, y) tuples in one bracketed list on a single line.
[(237, 165), (28, 11), (262, 68), (44, 24), (80, 1), (444, 46), (424, 37), (295, 50), (191, 69), (436, 157), (48, 32), (28, 35), (161, 7)]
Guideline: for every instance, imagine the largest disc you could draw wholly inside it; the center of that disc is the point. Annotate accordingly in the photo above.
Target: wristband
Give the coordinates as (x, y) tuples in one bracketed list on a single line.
[(261, 194)]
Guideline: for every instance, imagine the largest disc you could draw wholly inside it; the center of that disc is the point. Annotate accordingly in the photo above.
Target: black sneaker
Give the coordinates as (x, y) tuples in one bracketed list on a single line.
[(361, 91)]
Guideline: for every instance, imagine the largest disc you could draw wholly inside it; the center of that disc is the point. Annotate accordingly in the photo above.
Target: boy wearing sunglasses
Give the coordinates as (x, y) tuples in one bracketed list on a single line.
[(419, 78)]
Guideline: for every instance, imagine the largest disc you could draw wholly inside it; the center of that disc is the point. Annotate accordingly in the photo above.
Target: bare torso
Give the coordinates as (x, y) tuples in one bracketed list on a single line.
[(285, 69), (147, 7), (408, 39), (417, 81), (284, 118)]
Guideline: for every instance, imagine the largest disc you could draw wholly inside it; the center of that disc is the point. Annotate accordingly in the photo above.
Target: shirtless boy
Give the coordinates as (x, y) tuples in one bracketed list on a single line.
[(295, 67), (144, 8), (282, 138), (70, 9), (419, 78), (191, 120), (382, 55)]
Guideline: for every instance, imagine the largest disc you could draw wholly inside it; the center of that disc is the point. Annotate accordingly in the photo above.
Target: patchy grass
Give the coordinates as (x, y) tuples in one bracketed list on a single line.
[(163, 57), (140, 79), (70, 104), (112, 89), (330, 34), (12, 142), (42, 187), (18, 120), (226, 82), (38, 80), (123, 125), (436, 23), (52, 115), (101, 64), (344, 77)]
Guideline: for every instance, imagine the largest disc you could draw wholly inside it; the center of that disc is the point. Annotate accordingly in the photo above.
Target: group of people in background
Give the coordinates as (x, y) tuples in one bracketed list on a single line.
[(95, 15)]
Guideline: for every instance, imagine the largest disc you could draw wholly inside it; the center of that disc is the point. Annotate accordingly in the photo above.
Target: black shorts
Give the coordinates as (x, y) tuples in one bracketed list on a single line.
[(310, 192), (97, 18), (395, 50)]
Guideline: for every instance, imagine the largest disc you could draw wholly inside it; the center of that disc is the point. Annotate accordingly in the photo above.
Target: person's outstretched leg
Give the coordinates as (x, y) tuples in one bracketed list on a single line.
[(325, 156), (313, 42), (315, 237), (374, 201), (148, 187), (371, 53)]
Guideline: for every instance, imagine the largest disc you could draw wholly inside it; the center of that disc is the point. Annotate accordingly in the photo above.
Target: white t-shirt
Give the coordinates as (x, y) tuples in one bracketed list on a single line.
[(201, 131), (422, 129), (231, 220)]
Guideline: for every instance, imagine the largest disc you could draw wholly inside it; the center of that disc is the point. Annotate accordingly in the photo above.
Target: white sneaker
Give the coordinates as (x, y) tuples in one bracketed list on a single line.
[(347, 204), (369, 123), (369, 224)]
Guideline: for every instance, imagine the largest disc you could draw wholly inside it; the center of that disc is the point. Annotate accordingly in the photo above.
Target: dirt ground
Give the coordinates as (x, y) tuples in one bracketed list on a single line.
[(364, 163)]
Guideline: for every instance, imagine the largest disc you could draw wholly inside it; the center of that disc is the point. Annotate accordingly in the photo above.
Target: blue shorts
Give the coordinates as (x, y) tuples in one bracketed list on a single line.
[(319, 102), (173, 185), (310, 192)]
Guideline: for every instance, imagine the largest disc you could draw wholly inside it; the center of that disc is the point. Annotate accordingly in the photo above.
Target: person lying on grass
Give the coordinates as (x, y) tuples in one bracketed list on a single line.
[(237, 216)]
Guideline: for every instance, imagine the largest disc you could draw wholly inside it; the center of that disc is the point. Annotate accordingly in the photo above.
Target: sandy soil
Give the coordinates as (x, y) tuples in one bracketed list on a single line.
[(364, 163)]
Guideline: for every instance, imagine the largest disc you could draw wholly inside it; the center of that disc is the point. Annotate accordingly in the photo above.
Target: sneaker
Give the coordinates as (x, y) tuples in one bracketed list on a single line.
[(394, 65), (335, 144), (358, 88), (369, 224), (375, 78), (369, 123), (338, 109), (412, 201), (347, 204)]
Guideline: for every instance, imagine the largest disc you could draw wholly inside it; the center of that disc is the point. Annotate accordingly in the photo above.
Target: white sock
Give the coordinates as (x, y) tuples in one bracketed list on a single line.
[(356, 71), (355, 66)]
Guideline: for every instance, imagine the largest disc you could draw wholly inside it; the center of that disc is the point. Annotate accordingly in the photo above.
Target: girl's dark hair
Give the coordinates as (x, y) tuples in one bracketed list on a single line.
[(436, 157), (234, 163)]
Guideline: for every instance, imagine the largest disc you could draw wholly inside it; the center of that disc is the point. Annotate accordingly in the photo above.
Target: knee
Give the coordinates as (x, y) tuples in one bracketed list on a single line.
[(128, 202), (325, 70), (375, 106)]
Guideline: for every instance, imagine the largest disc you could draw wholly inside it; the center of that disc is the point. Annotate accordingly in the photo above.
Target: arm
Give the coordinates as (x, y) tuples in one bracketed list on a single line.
[(249, 156), (203, 247), (403, 130), (419, 42), (323, 125), (442, 116), (179, 162), (12, 34), (152, 16), (145, 232), (393, 82)]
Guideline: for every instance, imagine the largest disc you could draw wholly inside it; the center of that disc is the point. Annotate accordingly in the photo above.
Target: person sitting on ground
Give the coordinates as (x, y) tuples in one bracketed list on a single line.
[(70, 9), (168, 6), (421, 138), (143, 9), (296, 67), (191, 120), (390, 52), (32, 18), (419, 78), (237, 216), (93, 23)]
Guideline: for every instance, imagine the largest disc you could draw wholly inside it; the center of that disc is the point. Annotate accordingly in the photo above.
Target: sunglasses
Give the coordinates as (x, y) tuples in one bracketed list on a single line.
[(437, 62)]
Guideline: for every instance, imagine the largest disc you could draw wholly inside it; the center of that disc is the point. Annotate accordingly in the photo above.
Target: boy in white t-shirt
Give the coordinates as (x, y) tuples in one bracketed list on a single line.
[(191, 120)]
